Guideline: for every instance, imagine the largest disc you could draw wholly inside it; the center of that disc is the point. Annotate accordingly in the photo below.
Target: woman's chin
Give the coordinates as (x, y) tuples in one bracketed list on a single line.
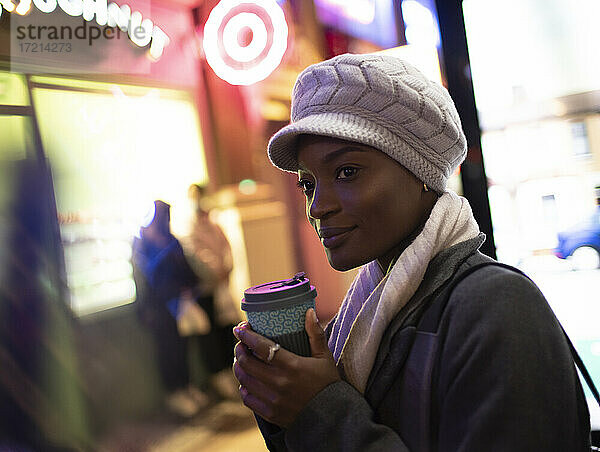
[(342, 263)]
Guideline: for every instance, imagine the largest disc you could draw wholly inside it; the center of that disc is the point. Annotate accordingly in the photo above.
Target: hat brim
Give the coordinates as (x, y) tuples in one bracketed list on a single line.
[(283, 153), (282, 148)]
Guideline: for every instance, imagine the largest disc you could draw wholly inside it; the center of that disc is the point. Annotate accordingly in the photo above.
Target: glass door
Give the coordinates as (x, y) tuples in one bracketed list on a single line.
[(536, 79)]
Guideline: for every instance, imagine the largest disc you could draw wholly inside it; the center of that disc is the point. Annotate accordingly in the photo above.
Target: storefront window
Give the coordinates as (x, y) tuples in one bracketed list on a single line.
[(15, 133), (15, 124), (536, 78), (113, 149), (13, 89)]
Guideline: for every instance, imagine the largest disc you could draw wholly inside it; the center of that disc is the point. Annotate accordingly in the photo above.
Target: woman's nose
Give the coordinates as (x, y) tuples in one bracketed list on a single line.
[(322, 203)]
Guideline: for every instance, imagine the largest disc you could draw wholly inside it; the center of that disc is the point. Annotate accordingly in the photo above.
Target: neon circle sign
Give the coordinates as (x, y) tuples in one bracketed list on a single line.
[(241, 63)]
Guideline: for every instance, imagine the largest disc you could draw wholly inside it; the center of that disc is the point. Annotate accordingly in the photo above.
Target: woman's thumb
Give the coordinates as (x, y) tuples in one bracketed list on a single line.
[(316, 335)]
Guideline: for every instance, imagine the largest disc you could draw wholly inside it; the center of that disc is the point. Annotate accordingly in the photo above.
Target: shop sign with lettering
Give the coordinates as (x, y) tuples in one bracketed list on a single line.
[(51, 38)]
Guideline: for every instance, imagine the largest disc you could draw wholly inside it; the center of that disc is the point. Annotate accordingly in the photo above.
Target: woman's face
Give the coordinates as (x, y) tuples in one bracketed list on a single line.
[(363, 204)]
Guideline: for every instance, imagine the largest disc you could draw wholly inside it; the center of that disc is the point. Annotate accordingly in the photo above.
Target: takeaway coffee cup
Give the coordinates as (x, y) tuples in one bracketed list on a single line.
[(277, 310)]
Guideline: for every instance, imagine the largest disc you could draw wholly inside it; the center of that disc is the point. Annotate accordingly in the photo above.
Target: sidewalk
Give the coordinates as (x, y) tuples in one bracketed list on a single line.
[(224, 427)]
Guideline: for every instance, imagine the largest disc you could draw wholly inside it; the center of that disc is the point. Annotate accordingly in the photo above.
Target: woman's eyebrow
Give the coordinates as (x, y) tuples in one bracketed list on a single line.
[(341, 151), (335, 154)]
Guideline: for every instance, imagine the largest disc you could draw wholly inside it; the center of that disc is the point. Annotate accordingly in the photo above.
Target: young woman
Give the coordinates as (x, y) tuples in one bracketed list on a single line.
[(430, 349)]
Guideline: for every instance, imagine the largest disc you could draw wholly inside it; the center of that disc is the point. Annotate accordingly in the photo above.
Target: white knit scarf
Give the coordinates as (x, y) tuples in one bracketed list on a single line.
[(373, 300)]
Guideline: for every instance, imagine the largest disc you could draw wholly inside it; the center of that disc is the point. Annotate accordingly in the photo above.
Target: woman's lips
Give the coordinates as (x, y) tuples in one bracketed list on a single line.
[(334, 237)]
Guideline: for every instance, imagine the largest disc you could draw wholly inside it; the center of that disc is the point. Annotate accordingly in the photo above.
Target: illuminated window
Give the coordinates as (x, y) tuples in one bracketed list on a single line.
[(113, 149), (15, 123), (13, 89), (581, 147)]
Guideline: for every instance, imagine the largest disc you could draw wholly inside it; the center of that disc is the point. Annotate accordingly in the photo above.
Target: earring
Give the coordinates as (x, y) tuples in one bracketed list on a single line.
[(425, 188)]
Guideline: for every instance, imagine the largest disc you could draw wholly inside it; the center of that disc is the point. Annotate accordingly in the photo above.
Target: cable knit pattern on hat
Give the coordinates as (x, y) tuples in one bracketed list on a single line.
[(380, 101)]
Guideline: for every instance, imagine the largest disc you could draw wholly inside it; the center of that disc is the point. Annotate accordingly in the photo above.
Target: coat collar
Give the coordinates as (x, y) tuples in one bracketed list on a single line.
[(441, 269)]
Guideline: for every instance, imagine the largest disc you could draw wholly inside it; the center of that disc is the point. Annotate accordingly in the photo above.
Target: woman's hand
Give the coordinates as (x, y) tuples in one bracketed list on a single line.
[(280, 389)]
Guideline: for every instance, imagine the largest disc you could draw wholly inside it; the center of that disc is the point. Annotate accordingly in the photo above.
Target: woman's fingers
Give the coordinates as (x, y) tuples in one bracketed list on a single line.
[(278, 390), (260, 345), (253, 341), (316, 335), (236, 329), (254, 385), (260, 395), (256, 404), (271, 373)]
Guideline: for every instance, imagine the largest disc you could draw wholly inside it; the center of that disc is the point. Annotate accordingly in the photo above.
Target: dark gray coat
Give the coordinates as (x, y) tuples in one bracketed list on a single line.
[(497, 375)]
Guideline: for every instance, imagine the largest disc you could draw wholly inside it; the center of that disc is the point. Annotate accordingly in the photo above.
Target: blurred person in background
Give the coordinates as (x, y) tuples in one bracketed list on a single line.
[(163, 277), (435, 346), (44, 399), (209, 253)]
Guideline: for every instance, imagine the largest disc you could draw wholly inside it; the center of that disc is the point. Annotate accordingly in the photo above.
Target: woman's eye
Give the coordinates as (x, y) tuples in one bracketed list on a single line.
[(347, 172), (305, 185)]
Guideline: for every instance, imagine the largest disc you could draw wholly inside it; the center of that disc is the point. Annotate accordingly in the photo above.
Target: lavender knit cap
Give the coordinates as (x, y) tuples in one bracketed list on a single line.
[(380, 101)]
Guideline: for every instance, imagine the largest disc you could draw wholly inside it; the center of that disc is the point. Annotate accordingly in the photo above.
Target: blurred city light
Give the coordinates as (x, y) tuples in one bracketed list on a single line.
[(239, 24), (273, 110), (370, 20), (143, 29), (24, 7), (72, 8), (241, 63), (118, 16), (97, 9), (45, 6), (421, 26), (8, 6), (362, 11), (423, 57), (247, 187)]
